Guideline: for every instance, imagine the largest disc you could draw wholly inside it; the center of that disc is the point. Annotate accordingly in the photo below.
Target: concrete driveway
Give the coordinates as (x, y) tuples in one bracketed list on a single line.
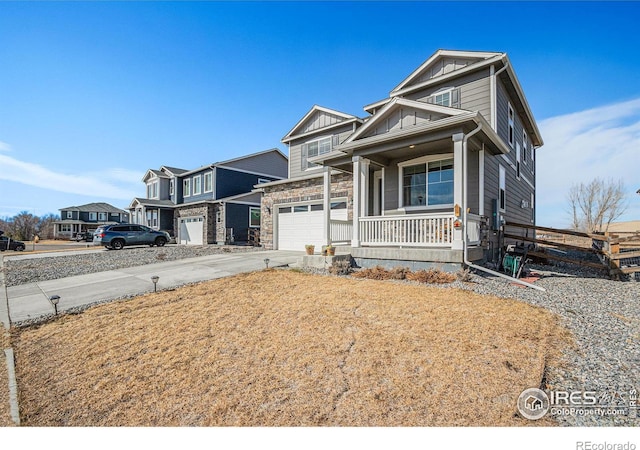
[(30, 301)]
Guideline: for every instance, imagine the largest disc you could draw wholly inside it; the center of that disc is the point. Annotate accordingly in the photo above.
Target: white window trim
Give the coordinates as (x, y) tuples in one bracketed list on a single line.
[(525, 143), (199, 185), (103, 216), (69, 214), (210, 176), (172, 183), (518, 160), (413, 162), (442, 92), (502, 176), (93, 216), (511, 125), (330, 137), (250, 209), (186, 187)]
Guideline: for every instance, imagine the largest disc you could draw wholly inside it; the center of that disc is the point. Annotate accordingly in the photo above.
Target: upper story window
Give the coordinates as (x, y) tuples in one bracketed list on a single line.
[(69, 215), (525, 146), (197, 185), (93, 216), (511, 125), (316, 148), (442, 99), (208, 182), (428, 183), (186, 187), (518, 160), (172, 186), (152, 189), (102, 216)]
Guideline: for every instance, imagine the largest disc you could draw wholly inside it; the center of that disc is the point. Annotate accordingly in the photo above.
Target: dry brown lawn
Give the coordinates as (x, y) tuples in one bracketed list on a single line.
[(282, 348), (5, 412)]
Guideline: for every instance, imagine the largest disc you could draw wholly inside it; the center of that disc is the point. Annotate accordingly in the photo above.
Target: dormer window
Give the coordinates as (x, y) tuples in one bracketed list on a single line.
[(152, 189)]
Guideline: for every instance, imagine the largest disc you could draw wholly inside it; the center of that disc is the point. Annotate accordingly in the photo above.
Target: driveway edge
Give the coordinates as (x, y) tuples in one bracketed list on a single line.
[(14, 407)]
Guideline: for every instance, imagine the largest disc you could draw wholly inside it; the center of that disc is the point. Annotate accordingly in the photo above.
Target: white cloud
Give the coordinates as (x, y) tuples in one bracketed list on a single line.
[(4, 147), (601, 142), (110, 183)]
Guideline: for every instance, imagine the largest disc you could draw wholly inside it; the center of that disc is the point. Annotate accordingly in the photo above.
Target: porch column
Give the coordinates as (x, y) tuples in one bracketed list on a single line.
[(364, 187), (457, 243), (327, 205), (357, 167)]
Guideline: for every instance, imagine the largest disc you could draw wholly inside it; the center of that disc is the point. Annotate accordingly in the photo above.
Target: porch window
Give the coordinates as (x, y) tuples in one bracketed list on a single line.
[(428, 184), (254, 217)]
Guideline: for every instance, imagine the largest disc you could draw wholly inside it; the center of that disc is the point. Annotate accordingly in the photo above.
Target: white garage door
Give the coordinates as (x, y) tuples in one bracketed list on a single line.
[(300, 225), (191, 229)]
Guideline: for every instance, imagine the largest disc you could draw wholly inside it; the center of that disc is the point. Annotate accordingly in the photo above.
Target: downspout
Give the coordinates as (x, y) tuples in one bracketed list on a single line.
[(494, 94), (464, 219)]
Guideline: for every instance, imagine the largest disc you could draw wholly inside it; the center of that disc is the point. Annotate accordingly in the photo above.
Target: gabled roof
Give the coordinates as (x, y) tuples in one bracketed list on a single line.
[(152, 172), (396, 103), (471, 57), (341, 119), (96, 207), (173, 170)]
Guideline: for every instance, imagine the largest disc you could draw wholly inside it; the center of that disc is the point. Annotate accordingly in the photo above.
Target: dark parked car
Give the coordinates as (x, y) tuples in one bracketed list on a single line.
[(86, 236), (10, 244), (118, 236)]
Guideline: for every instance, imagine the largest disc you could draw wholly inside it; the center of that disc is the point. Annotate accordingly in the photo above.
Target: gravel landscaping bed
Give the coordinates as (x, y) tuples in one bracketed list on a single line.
[(23, 271), (604, 318)]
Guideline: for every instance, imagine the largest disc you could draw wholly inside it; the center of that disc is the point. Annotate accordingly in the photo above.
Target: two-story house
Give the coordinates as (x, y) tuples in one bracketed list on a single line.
[(84, 218), (429, 175), (211, 204)]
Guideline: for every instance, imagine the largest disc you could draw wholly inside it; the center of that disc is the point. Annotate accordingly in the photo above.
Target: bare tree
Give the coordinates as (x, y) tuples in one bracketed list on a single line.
[(593, 206), (46, 225), (23, 226)]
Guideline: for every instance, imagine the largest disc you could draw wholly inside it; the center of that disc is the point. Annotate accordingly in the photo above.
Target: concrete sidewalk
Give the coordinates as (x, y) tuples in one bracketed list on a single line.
[(30, 301)]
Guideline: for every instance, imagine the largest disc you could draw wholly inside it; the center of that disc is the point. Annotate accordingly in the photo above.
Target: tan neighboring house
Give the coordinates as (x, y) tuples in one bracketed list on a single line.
[(428, 175)]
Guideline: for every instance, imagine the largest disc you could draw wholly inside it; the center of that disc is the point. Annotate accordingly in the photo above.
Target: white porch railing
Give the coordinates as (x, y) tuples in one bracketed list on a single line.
[(416, 230), (341, 231), (474, 223)]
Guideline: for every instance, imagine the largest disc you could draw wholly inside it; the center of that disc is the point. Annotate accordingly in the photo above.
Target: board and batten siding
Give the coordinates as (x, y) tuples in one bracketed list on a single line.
[(444, 66), (295, 148)]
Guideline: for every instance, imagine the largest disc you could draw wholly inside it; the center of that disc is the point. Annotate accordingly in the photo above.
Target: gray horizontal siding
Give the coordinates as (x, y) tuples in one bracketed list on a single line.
[(270, 163), (295, 147)]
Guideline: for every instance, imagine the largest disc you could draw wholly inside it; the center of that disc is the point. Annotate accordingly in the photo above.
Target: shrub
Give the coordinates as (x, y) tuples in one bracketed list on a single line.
[(341, 267), (431, 276), (464, 275), (374, 273)]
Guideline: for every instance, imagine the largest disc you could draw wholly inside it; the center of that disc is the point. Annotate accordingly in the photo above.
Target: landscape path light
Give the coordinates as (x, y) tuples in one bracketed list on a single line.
[(266, 262), (155, 279), (54, 299)]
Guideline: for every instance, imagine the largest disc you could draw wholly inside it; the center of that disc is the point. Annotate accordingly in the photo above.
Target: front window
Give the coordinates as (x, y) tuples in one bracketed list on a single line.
[(186, 187), (208, 182), (93, 216), (254, 217), (197, 185), (428, 184), (171, 186), (102, 216), (69, 215)]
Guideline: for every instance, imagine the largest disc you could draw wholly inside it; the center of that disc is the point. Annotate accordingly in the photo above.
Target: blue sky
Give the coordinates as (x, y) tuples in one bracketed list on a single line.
[(94, 94)]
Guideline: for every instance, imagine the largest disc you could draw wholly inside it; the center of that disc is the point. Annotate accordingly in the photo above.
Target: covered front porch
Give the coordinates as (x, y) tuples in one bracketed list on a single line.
[(418, 194)]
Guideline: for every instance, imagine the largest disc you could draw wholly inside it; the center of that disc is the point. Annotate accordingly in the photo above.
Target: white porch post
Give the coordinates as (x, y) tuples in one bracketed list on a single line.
[(458, 234), (364, 187), (327, 205), (481, 182), (355, 240)]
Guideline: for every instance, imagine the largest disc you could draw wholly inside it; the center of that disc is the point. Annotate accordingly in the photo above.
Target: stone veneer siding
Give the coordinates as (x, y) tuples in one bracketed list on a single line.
[(300, 191), (207, 210)]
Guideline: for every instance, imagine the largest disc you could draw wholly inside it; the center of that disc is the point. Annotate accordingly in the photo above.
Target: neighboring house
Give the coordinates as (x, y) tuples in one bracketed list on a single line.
[(210, 204), (80, 219), (429, 174)]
